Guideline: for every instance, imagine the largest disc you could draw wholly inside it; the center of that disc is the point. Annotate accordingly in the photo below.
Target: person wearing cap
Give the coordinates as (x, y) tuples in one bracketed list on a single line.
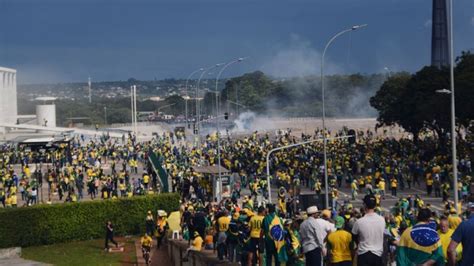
[(463, 235), (313, 232), (340, 245), (368, 232), (161, 227)]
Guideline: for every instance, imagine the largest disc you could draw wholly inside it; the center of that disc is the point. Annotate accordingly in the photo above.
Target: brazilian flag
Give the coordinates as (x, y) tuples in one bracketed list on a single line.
[(419, 244), (277, 234)]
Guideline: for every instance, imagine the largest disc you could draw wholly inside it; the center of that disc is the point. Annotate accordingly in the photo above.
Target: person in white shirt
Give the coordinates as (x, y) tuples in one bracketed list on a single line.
[(313, 232), (368, 233)]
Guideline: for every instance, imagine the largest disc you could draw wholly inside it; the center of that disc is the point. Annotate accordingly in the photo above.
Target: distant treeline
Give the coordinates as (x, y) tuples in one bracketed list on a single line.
[(346, 96)]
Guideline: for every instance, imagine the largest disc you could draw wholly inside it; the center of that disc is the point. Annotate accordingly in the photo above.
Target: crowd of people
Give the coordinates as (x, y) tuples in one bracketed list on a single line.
[(251, 235), (241, 227)]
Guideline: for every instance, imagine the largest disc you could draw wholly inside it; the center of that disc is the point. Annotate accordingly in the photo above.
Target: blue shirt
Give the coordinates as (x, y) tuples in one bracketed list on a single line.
[(463, 234)]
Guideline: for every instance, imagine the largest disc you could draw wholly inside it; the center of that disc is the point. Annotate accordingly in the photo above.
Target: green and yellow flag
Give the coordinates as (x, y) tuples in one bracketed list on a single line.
[(419, 244)]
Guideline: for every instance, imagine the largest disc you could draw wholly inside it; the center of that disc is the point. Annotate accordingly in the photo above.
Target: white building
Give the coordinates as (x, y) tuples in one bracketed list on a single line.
[(8, 101)]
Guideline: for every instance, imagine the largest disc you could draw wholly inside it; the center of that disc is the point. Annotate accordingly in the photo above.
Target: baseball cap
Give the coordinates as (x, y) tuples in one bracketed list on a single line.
[(339, 222), (312, 210)]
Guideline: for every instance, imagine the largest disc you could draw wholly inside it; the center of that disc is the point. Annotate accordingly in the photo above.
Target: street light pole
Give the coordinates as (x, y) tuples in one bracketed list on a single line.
[(291, 146), (187, 95), (453, 108), (326, 191), (217, 123), (105, 115), (198, 129)]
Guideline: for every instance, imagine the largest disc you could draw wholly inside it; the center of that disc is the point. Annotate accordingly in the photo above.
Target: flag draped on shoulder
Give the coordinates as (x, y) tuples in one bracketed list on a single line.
[(277, 234), (419, 244)]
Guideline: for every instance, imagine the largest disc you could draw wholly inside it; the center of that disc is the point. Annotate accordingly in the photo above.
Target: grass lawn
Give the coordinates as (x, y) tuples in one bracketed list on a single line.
[(90, 252)]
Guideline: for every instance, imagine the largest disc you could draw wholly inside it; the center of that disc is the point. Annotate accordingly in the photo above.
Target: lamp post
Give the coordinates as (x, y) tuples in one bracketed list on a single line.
[(453, 108), (187, 95), (355, 27), (217, 122), (105, 115), (197, 95)]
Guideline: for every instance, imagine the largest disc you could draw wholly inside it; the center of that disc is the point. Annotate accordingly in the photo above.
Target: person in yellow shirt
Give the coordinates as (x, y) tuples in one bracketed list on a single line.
[(14, 200), (354, 189), (256, 246), (161, 227), (195, 246), (381, 187), (340, 244), (222, 224), (146, 242), (146, 180), (445, 233), (393, 186), (453, 219)]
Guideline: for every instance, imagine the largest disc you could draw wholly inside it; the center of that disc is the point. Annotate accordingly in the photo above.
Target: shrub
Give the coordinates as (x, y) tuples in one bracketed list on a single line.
[(48, 224)]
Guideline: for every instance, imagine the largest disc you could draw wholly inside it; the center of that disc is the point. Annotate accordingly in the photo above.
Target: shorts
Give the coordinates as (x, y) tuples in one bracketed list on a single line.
[(256, 245)]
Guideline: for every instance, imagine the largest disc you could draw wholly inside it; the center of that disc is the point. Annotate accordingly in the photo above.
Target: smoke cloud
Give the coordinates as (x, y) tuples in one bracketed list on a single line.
[(297, 59)]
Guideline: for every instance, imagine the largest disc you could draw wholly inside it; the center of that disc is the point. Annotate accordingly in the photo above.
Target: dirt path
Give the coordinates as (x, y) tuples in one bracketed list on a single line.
[(158, 256)]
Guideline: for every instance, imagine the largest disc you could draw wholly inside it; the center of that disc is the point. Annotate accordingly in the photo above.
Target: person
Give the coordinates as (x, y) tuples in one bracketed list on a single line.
[(420, 244), (109, 235), (368, 232), (272, 227), (313, 231), (340, 245), (255, 233), (146, 242), (149, 223), (161, 227), (293, 239), (222, 224), (233, 237), (196, 245), (463, 235), (393, 186), (445, 234)]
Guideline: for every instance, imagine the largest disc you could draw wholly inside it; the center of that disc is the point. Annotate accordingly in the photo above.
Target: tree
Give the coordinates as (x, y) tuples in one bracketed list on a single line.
[(412, 101)]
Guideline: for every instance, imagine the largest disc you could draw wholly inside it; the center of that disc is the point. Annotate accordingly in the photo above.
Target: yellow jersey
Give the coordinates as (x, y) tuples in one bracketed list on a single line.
[(256, 226), (445, 240), (223, 223), (340, 246), (197, 243), (146, 241)]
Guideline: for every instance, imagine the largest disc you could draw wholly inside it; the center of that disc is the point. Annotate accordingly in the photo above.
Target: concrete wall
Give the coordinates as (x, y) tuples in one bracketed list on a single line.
[(177, 251), (8, 100)]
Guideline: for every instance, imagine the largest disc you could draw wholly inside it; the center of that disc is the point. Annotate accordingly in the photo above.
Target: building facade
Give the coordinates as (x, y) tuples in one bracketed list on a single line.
[(8, 98)]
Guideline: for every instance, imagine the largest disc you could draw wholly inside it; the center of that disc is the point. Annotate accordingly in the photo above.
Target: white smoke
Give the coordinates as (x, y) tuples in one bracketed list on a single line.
[(297, 59), (249, 122)]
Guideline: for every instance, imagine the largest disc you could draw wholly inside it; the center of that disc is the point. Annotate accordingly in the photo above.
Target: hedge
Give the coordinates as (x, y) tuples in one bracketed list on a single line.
[(48, 224)]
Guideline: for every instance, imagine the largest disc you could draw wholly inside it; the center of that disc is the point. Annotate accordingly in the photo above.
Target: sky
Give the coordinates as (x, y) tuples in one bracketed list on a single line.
[(50, 41)]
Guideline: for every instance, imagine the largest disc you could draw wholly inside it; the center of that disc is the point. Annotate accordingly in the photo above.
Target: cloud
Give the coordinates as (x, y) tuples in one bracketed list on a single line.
[(297, 58), (428, 23), (472, 21)]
